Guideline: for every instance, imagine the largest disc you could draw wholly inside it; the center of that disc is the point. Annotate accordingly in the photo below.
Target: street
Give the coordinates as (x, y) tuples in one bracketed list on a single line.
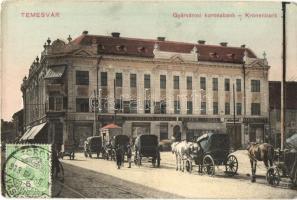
[(101, 179)]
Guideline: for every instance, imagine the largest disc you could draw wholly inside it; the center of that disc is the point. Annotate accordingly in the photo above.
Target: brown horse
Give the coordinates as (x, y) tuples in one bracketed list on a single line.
[(260, 152)]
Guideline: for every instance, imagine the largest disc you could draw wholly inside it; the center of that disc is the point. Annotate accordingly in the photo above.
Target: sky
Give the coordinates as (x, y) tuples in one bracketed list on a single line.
[(22, 37)]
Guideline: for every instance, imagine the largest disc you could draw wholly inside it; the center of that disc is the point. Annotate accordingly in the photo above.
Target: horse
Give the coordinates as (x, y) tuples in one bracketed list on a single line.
[(182, 151), (260, 152)]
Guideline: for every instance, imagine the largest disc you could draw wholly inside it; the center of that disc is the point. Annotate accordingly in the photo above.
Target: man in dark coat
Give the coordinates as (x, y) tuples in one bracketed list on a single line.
[(119, 156)]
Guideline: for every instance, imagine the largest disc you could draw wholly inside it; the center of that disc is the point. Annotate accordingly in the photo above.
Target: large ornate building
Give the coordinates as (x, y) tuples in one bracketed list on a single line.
[(154, 86)]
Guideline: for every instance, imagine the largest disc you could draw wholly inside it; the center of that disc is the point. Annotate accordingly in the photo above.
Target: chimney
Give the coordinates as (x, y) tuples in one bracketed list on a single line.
[(243, 46), (85, 32), (161, 39), (223, 44), (201, 41), (115, 34)]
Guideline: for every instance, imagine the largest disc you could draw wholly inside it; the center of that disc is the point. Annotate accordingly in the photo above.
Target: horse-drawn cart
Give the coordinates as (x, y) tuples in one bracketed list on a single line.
[(93, 145), (147, 146), (213, 150), (285, 164)]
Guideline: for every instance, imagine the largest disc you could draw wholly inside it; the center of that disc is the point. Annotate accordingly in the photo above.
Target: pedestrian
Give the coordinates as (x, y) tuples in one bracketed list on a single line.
[(119, 156), (129, 155)]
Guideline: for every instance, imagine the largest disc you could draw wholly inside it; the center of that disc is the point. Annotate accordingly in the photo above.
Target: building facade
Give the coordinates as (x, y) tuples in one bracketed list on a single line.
[(171, 89), (275, 110)]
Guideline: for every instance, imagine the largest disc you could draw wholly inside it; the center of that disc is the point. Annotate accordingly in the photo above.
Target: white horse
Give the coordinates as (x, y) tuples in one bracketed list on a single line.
[(182, 151)]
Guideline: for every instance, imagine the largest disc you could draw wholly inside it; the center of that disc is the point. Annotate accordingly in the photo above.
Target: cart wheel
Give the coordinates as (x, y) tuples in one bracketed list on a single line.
[(189, 166), (231, 165), (208, 165), (273, 176), (158, 160)]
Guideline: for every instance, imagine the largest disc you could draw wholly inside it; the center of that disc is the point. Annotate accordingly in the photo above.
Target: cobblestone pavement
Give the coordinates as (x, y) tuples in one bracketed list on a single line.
[(100, 178)]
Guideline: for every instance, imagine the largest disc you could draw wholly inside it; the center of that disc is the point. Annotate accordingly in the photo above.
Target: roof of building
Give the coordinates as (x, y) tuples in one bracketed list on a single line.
[(110, 126), (275, 95), (144, 48)]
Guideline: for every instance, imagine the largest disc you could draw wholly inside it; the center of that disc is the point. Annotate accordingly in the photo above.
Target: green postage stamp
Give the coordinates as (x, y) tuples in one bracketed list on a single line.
[(27, 171)]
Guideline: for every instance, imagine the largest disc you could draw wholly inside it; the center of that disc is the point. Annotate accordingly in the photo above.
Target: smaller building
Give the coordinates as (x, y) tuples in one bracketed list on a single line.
[(275, 110)]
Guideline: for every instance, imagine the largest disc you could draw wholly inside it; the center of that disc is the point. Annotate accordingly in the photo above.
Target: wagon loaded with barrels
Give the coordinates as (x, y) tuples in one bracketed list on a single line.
[(213, 150), (147, 146)]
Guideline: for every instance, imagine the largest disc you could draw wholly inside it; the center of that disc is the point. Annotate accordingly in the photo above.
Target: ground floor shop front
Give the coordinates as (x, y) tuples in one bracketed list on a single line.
[(75, 128)]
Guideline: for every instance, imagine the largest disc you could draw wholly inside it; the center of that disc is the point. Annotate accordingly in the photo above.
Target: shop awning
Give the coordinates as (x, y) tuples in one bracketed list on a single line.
[(55, 72), (31, 133), (26, 134)]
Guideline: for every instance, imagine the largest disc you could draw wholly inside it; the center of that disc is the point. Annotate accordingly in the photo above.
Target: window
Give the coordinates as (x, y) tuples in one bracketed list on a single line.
[(163, 107), (51, 103), (119, 80), (147, 106), (163, 81), (227, 108), (227, 84), (176, 107), (103, 79), (203, 108), (238, 85), (215, 108), (238, 108), (82, 78), (215, 84), (59, 103), (133, 80), (255, 85), (104, 105), (163, 131), (133, 106), (189, 107), (119, 105), (147, 81), (256, 109), (82, 105), (189, 82), (65, 103), (202, 83), (176, 82)]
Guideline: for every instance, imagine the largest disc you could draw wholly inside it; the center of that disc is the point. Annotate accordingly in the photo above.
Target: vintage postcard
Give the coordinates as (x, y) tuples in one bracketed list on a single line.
[(149, 99)]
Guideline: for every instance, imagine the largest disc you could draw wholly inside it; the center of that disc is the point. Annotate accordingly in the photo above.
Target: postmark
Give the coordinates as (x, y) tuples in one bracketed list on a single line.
[(27, 171)]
